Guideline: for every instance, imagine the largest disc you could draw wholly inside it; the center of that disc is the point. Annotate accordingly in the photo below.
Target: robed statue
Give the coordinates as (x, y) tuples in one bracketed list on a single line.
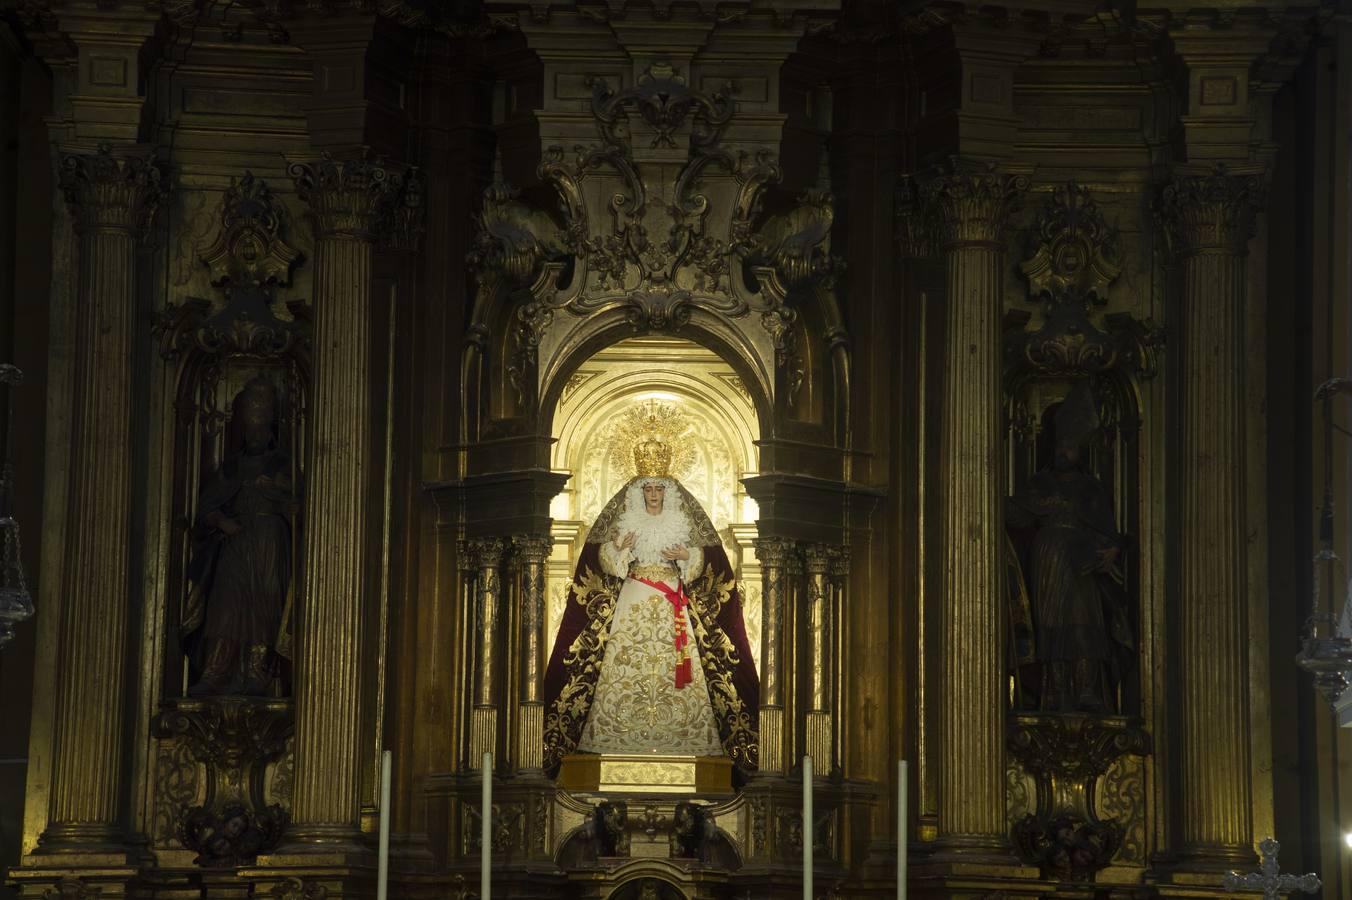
[(1066, 575), (652, 654), (240, 574)]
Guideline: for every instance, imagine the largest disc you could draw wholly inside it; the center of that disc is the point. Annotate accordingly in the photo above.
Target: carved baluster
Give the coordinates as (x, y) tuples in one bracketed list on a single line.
[(351, 204), (772, 554), (1210, 219), (112, 197), (970, 206), (483, 735), (530, 736)]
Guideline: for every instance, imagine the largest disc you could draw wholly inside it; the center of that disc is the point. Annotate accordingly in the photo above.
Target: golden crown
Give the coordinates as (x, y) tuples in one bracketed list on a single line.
[(652, 458), (651, 441)]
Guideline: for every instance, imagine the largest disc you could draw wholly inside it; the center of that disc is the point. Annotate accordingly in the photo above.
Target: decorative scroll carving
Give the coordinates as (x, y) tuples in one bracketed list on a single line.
[(1211, 212), (1075, 261), (248, 260), (1067, 755), (647, 248), (234, 738), (113, 190), (72, 889), (663, 101), (296, 889)]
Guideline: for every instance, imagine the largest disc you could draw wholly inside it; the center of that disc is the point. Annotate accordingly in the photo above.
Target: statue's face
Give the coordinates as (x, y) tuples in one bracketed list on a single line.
[(1067, 457), (653, 495), (257, 436)]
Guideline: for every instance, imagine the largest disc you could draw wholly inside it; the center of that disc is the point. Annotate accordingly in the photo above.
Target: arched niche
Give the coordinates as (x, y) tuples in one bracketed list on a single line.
[(713, 397)]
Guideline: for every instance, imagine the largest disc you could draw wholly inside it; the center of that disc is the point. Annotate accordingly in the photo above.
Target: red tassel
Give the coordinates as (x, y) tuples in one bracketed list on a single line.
[(683, 674)]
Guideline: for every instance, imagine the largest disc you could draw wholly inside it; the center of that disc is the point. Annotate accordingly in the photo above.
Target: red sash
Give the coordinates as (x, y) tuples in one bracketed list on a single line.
[(679, 601)]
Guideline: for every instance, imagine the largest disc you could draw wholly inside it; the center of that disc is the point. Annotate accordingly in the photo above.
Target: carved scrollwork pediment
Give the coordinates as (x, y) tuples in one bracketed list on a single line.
[(1073, 263), (247, 260), (249, 248)]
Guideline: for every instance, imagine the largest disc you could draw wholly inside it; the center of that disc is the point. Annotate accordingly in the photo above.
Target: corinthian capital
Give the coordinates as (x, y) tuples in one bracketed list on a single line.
[(359, 198), (970, 203), (1211, 213), (117, 191)]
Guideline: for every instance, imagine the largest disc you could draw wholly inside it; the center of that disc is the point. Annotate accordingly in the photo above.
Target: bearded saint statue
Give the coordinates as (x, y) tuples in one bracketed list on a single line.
[(652, 654)]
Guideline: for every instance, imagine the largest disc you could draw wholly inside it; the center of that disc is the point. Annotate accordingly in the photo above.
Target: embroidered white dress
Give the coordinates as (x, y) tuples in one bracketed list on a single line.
[(637, 707)]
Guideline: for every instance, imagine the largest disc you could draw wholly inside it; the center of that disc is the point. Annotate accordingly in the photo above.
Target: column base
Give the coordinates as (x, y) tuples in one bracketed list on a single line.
[(74, 875), (325, 841), (988, 850), (97, 842), (973, 878)]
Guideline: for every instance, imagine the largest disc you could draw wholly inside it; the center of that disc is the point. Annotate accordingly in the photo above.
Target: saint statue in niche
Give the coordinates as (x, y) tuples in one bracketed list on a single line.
[(652, 655), (1068, 578), (240, 574)]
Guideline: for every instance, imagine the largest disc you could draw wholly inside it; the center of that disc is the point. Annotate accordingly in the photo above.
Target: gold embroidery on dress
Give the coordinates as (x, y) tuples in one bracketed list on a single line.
[(565, 719)]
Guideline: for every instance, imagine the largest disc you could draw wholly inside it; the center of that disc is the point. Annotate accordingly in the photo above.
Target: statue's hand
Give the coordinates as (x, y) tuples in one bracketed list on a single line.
[(1107, 558), (626, 542), (675, 552), (230, 527)]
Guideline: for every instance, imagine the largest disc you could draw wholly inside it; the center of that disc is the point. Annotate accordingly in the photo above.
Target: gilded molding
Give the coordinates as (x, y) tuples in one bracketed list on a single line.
[(971, 202), (113, 190), (1211, 213), (359, 198)]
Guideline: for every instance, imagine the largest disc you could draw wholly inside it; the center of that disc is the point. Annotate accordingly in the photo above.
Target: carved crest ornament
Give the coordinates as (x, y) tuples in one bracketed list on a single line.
[(1076, 259), (678, 236)]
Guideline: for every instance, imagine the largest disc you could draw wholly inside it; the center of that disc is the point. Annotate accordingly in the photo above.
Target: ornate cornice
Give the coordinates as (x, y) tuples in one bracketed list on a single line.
[(114, 191), (1211, 213), (358, 198), (971, 203)]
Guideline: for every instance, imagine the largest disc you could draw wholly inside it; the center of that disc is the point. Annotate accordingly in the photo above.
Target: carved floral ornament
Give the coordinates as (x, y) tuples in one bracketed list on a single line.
[(360, 198), (1213, 212), (659, 262), (113, 190), (959, 202)]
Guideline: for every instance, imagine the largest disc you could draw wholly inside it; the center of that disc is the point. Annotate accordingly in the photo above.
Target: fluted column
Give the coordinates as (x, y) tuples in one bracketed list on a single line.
[(351, 204), (817, 741), (772, 553), (970, 206), (483, 734), (1210, 219), (530, 735), (112, 197)]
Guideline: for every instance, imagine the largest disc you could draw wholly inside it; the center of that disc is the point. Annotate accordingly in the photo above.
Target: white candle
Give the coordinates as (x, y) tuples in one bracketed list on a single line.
[(902, 787), (807, 828), (486, 836), (383, 860)]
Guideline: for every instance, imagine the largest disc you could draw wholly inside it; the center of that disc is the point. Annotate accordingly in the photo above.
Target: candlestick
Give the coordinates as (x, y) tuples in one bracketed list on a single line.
[(902, 849), (807, 828), (486, 836), (383, 859)]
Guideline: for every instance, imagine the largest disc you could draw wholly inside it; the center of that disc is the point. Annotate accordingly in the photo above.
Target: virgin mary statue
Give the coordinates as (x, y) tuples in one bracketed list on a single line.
[(652, 654)]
